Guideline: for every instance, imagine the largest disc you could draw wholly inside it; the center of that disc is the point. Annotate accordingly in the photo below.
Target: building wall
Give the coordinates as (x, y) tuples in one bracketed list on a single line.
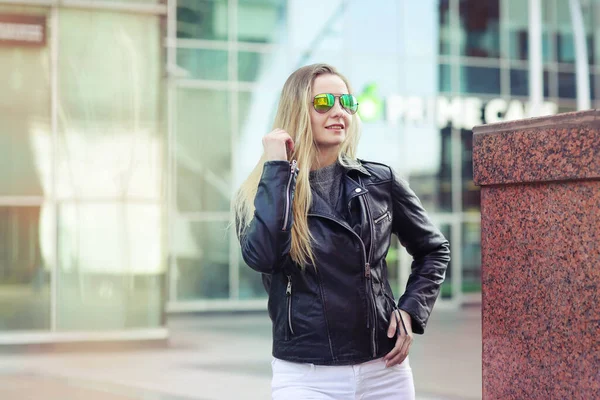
[(82, 176), (425, 73), (124, 135)]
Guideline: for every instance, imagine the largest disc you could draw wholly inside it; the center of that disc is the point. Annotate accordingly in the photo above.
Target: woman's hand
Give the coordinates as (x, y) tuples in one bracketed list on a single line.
[(276, 145), (404, 339)]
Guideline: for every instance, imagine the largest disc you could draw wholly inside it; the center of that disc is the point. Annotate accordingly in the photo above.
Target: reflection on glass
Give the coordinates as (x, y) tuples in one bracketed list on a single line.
[(256, 115), (445, 78), (202, 259), (111, 266), (567, 85), (110, 137), (434, 188), (251, 284), (261, 21), (480, 28), (565, 46), (446, 289), (203, 150), (202, 19), (445, 30), (480, 80), (249, 65), (519, 82), (392, 267), (202, 64), (110, 172), (24, 274), (471, 257), (470, 192), (24, 119)]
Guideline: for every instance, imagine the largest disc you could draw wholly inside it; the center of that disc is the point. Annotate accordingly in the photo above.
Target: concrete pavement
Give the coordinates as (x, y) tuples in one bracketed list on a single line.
[(228, 357)]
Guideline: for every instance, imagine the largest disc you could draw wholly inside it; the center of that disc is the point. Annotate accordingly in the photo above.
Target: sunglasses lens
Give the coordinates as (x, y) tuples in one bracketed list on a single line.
[(323, 102), (349, 102)]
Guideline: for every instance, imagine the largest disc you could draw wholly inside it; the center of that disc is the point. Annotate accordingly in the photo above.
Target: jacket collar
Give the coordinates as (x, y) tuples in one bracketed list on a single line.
[(355, 165), (351, 188)]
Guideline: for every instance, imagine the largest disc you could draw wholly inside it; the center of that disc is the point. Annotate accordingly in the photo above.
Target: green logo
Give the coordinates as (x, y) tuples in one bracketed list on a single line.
[(370, 104)]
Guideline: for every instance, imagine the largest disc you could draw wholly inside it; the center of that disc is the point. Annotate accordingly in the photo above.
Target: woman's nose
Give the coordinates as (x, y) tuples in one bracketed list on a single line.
[(337, 107)]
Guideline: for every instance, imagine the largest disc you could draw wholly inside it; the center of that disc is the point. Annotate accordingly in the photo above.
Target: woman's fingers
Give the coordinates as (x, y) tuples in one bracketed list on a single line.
[(276, 145), (403, 341)]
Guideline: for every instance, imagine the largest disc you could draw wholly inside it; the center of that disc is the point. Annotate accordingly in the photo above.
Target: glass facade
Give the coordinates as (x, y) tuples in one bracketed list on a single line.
[(121, 145), (82, 185), (441, 67)]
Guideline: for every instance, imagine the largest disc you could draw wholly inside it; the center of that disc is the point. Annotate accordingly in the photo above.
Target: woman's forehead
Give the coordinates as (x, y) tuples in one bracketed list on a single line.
[(329, 83)]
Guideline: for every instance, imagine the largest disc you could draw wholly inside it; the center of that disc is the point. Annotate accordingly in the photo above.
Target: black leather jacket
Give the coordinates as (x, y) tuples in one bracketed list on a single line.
[(338, 313)]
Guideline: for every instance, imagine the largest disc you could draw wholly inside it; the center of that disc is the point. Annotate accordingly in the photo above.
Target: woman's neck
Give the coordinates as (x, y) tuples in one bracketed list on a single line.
[(326, 157)]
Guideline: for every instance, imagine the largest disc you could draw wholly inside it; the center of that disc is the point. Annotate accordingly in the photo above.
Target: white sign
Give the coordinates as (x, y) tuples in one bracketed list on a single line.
[(22, 30), (461, 112)]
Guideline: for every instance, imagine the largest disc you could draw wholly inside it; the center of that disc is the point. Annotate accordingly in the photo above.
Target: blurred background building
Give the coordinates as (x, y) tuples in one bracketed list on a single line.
[(125, 127)]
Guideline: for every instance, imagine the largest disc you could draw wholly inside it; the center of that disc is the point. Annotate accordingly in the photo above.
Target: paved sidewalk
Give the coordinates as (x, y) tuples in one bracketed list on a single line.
[(228, 357)]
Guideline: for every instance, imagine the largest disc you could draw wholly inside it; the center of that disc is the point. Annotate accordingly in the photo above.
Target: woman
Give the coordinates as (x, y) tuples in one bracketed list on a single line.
[(317, 223)]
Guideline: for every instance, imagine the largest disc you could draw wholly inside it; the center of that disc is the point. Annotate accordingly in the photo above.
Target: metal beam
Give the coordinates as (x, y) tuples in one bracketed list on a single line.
[(536, 69), (582, 70)]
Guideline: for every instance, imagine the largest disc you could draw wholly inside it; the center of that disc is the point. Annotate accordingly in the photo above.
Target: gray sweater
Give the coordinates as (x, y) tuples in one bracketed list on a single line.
[(326, 183)]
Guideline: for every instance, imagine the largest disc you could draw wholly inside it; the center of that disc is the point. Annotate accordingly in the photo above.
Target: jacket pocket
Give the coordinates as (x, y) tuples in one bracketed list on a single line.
[(289, 330), (383, 217)]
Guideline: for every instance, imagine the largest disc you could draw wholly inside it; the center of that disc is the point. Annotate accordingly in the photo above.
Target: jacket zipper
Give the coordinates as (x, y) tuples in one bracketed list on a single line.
[(288, 200), (368, 281), (384, 216), (288, 293), (370, 309)]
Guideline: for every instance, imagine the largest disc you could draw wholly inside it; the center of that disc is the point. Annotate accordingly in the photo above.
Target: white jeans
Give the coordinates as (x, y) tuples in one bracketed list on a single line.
[(370, 380)]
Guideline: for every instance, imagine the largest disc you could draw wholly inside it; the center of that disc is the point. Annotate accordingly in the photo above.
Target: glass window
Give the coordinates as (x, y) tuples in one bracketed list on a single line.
[(517, 24), (111, 268), (480, 80), (24, 269), (111, 147), (446, 289), (565, 46), (202, 19), (203, 150), (251, 285), (445, 27), (261, 21), (567, 85), (25, 129), (471, 257), (205, 64), (432, 180), (249, 65), (133, 1), (470, 192), (256, 113), (202, 259), (519, 82), (392, 260), (111, 110), (480, 28), (445, 84)]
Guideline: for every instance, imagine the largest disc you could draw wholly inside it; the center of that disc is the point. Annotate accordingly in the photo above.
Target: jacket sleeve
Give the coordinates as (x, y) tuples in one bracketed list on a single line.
[(428, 247), (267, 240)]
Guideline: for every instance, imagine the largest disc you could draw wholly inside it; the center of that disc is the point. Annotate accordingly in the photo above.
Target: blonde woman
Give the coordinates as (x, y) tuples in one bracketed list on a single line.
[(316, 222)]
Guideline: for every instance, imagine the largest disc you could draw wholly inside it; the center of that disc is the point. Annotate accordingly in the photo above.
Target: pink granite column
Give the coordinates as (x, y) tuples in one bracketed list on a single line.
[(540, 238)]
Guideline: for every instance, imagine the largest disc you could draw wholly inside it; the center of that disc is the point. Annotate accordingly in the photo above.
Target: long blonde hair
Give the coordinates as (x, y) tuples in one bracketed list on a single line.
[(293, 117)]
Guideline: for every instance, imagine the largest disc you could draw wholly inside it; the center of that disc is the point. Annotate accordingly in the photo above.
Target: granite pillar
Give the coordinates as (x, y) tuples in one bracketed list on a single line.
[(540, 238)]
